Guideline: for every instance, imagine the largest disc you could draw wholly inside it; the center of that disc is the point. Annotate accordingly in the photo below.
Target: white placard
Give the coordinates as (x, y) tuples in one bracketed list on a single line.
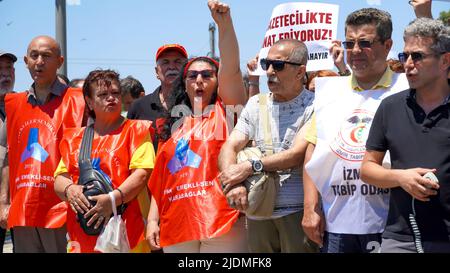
[(315, 24)]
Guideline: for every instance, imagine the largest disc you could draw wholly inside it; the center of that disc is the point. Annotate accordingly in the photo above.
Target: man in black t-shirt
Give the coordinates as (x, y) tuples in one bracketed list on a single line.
[(170, 59), (414, 126)]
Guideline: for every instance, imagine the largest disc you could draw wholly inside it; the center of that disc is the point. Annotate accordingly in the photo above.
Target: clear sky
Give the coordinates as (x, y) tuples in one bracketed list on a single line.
[(124, 35)]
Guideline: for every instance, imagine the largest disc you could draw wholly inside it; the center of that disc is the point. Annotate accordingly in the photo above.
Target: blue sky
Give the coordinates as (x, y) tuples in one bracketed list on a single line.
[(124, 35)]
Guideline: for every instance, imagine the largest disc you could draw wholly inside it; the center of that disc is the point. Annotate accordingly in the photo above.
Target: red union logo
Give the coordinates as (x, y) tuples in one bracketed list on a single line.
[(350, 142)]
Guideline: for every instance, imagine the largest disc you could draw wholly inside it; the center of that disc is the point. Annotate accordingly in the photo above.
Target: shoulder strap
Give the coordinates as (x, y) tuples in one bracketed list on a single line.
[(264, 115), (84, 158), (86, 145), (2, 113)]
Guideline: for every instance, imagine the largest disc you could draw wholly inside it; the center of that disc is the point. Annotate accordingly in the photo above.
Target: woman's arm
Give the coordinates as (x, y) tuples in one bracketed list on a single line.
[(66, 190), (231, 85), (153, 226), (128, 190)]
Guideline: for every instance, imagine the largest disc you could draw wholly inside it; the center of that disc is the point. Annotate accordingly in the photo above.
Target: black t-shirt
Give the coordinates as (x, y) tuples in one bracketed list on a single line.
[(148, 107), (415, 139)]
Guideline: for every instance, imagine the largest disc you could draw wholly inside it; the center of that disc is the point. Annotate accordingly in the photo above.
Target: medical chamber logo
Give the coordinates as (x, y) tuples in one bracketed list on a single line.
[(350, 143)]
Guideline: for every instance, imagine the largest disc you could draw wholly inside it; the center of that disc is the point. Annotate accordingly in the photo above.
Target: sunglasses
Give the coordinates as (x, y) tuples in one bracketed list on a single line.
[(361, 44), (277, 65), (193, 74), (415, 56)]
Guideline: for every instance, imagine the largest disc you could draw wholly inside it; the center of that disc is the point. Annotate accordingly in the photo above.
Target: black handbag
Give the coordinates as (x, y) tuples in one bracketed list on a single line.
[(94, 182)]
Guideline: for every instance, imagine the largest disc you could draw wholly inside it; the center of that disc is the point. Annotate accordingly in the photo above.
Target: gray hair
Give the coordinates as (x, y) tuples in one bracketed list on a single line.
[(299, 52), (366, 16), (435, 29)]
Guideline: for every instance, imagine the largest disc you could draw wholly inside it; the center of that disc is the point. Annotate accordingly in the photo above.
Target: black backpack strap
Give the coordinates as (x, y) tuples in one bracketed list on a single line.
[(87, 171), (86, 145), (2, 113)]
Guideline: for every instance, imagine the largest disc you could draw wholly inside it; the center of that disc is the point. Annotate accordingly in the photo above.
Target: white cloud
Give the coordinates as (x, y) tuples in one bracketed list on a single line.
[(73, 2), (374, 2)]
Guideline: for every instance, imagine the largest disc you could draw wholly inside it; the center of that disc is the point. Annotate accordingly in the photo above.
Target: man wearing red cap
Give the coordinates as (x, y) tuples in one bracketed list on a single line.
[(170, 58)]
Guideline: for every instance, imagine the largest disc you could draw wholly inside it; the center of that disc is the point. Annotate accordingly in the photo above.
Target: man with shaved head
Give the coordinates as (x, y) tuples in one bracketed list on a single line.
[(289, 107), (33, 129)]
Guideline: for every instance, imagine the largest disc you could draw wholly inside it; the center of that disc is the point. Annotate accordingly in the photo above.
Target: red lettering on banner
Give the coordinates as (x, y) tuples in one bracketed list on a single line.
[(269, 40), (302, 35), (300, 18)]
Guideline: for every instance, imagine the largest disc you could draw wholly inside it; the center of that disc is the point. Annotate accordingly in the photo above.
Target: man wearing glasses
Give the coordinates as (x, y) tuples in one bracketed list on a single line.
[(342, 214), (290, 106), (418, 139)]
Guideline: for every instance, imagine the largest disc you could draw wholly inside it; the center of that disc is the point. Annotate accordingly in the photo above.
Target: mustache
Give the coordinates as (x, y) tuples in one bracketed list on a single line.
[(172, 73), (273, 79)]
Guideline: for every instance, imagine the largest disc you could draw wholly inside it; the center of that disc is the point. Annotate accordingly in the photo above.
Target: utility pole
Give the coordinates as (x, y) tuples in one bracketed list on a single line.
[(212, 39), (61, 36)]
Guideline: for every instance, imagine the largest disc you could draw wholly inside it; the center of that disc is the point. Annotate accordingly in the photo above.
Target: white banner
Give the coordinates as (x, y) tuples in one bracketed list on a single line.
[(315, 24)]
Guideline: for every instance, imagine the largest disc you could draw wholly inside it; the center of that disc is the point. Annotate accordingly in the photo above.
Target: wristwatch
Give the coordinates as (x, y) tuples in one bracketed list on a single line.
[(257, 166)]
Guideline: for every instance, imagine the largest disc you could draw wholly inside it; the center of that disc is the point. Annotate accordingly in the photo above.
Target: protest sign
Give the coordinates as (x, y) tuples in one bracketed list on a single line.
[(315, 24)]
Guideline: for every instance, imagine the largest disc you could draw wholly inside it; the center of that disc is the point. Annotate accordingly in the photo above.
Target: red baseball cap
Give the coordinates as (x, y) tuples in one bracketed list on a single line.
[(175, 47)]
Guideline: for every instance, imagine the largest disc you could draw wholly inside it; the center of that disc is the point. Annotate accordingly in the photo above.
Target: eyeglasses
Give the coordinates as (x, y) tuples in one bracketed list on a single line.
[(415, 56), (277, 65), (361, 44), (206, 74)]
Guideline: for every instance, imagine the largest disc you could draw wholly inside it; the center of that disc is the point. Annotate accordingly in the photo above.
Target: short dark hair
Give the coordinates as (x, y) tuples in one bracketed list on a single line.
[(107, 76), (131, 86), (366, 16), (75, 82)]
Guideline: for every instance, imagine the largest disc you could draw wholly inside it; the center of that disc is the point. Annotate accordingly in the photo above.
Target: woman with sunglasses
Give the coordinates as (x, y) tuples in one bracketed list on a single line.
[(122, 151), (189, 212)]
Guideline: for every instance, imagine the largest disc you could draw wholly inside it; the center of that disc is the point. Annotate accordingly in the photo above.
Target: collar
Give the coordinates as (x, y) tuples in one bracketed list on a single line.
[(384, 82), (412, 96), (56, 89)]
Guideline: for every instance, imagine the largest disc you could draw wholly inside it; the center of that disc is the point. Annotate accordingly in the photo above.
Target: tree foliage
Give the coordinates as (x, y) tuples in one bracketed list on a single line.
[(445, 17)]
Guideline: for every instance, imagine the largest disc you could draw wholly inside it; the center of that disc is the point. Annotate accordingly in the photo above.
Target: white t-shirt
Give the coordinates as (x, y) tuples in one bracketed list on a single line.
[(343, 120)]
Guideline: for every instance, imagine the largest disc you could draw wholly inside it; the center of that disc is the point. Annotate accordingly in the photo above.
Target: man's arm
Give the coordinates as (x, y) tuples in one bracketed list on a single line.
[(290, 158), (313, 221), (253, 80), (422, 8), (228, 153), (411, 180), (231, 85), (337, 51), (233, 173)]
